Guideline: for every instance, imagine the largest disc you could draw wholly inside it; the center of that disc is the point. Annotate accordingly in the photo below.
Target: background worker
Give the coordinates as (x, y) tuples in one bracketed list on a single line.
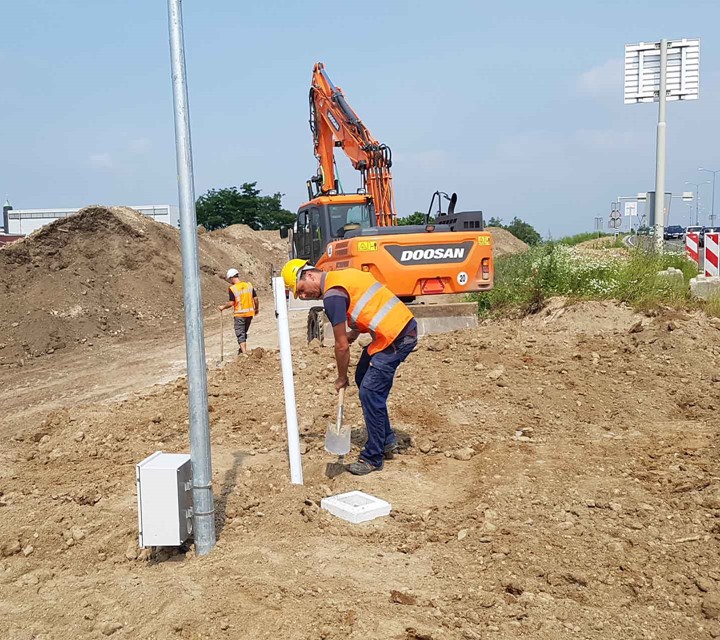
[(245, 304), (354, 297)]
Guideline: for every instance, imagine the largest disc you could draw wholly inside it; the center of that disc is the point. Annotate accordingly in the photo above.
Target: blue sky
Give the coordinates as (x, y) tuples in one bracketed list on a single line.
[(516, 106)]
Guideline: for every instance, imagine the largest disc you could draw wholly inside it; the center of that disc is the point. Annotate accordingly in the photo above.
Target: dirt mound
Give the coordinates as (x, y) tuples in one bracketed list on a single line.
[(563, 482), (106, 272), (255, 252), (505, 243)]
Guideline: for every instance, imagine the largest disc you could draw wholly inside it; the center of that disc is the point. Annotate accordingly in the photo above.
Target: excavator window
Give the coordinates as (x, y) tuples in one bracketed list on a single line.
[(309, 243), (302, 238), (343, 217), (318, 246)]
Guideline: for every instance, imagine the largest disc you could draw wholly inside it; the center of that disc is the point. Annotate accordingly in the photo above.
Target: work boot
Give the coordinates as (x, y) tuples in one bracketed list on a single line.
[(362, 468), (396, 448), (390, 451)]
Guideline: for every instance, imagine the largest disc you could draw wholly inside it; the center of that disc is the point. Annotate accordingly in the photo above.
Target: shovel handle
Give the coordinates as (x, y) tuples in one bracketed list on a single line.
[(341, 399), (222, 351)]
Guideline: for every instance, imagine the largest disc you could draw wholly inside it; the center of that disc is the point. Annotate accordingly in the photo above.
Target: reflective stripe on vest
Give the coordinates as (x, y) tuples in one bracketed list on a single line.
[(362, 303), (373, 307), (378, 317), (243, 305)]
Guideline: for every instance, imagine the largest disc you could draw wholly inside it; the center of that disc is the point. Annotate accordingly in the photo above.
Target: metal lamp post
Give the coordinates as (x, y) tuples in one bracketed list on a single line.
[(697, 198), (203, 503), (712, 214)]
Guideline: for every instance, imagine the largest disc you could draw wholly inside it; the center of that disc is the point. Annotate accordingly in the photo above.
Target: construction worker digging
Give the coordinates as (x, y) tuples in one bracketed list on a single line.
[(354, 298), (245, 305)]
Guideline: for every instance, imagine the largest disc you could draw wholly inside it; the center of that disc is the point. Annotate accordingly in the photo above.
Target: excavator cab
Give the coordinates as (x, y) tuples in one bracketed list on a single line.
[(328, 218)]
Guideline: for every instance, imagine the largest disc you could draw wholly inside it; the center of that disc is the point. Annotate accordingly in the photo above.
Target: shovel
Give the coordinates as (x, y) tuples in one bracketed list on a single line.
[(337, 440), (222, 351)]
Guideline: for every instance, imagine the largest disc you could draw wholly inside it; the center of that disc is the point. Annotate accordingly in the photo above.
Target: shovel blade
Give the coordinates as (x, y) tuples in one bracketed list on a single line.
[(334, 469), (337, 442)]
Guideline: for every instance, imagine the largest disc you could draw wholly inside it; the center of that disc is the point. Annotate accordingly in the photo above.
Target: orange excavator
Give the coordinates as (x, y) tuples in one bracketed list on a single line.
[(336, 230)]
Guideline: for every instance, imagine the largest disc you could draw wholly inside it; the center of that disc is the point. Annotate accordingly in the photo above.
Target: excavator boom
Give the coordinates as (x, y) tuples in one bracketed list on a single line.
[(334, 123)]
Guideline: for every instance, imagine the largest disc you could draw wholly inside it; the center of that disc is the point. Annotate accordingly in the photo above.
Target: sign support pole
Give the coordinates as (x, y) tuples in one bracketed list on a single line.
[(660, 152)]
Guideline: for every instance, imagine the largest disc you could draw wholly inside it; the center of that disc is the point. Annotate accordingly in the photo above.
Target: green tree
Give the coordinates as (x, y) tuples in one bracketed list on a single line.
[(524, 231), (220, 208), (416, 218), (495, 222)]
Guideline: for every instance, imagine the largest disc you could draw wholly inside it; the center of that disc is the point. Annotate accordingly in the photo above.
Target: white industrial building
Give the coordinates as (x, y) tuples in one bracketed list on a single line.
[(25, 221)]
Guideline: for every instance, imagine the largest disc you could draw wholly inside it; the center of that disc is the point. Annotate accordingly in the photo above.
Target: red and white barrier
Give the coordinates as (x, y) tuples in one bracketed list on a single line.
[(692, 247), (712, 240)]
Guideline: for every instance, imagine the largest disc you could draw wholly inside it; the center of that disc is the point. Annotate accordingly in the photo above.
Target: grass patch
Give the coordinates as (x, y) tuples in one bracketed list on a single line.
[(602, 241), (571, 241), (712, 306), (524, 282)]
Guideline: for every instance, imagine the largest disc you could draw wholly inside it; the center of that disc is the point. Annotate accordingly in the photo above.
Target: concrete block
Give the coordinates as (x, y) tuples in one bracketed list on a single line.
[(442, 318), (705, 287), (672, 275)]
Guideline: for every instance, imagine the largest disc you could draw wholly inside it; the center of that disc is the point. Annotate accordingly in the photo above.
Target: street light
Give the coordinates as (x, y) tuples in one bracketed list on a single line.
[(712, 215), (697, 198)]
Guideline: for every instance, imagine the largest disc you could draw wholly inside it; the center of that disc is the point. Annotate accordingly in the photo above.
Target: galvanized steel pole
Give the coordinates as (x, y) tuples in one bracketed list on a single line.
[(203, 506), (660, 152)]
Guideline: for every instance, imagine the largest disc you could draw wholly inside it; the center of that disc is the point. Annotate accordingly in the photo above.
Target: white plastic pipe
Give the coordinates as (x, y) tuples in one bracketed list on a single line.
[(281, 313)]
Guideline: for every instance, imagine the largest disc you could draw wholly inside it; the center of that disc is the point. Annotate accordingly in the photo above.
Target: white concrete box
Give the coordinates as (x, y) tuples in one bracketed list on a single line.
[(356, 506), (164, 494)]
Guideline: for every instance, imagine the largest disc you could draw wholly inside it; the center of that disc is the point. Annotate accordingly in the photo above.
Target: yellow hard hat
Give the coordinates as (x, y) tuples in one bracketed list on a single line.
[(291, 272)]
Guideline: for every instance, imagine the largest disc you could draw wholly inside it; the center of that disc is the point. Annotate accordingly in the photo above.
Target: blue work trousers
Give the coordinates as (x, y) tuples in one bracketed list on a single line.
[(374, 377)]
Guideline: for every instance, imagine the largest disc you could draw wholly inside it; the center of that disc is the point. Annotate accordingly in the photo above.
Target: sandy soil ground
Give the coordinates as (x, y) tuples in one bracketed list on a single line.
[(562, 482), (106, 370)]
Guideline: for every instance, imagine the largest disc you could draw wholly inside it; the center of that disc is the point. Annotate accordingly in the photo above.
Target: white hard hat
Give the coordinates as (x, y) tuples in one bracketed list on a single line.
[(231, 273)]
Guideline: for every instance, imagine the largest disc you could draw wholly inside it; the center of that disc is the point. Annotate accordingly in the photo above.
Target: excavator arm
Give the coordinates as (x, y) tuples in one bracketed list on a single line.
[(334, 123)]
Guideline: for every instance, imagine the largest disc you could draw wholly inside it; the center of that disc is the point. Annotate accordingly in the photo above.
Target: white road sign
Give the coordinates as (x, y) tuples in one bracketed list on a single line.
[(642, 71), (631, 208)]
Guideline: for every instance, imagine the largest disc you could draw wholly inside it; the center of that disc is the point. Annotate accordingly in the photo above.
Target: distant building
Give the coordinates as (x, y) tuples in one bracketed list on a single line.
[(21, 222), (5, 235)]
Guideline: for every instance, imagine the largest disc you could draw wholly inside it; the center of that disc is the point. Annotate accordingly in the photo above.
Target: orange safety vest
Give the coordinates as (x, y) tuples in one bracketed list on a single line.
[(373, 307), (243, 305)]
